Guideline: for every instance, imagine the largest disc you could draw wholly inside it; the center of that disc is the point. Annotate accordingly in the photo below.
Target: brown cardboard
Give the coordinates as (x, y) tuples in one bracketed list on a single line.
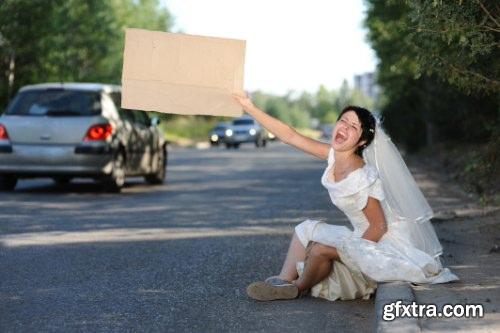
[(182, 74)]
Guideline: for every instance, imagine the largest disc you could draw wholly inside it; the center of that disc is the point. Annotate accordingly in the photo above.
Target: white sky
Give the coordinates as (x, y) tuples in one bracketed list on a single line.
[(291, 45)]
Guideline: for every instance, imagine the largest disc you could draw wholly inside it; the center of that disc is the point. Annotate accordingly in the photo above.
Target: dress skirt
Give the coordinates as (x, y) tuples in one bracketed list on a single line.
[(365, 263), (342, 283)]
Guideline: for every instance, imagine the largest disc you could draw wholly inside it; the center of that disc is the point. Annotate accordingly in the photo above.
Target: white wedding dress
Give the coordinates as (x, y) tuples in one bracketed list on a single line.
[(363, 262)]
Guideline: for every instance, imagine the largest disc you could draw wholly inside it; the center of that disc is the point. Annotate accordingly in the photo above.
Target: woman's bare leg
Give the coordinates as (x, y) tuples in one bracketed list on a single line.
[(296, 252), (317, 266)]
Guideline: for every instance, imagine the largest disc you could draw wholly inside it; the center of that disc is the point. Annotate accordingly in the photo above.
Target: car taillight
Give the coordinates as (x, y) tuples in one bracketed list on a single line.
[(3, 133), (98, 132)]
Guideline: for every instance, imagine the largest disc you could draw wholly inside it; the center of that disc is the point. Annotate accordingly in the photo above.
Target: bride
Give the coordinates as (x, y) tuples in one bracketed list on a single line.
[(392, 237)]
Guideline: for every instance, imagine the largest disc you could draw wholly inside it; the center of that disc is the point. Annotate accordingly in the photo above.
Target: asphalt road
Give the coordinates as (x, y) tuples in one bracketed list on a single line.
[(175, 257)]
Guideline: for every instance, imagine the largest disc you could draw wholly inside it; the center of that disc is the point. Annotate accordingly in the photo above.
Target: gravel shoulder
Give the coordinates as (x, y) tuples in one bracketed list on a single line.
[(470, 235)]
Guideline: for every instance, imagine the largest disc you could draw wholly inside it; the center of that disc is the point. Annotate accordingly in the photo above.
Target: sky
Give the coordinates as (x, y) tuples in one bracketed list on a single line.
[(290, 45)]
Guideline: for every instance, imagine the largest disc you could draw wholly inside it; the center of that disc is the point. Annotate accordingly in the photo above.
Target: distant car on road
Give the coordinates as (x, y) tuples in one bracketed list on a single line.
[(218, 134), (67, 130), (326, 133), (245, 129)]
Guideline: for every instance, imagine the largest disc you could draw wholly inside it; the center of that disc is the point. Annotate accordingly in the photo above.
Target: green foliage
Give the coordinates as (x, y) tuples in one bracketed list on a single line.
[(299, 117), (68, 40), (188, 127), (278, 107), (324, 103), (458, 41), (424, 99)]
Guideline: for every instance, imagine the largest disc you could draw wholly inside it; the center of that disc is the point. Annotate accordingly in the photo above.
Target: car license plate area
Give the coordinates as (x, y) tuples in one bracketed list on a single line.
[(239, 137)]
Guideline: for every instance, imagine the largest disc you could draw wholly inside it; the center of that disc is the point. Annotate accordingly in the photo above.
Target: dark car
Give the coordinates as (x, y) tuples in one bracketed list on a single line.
[(67, 130), (218, 134), (245, 129)]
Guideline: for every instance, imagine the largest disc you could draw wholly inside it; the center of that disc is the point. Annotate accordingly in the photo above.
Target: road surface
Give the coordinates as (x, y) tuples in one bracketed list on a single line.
[(175, 257)]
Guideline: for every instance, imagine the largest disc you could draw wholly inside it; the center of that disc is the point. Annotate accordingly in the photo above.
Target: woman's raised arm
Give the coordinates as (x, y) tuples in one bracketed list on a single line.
[(282, 131)]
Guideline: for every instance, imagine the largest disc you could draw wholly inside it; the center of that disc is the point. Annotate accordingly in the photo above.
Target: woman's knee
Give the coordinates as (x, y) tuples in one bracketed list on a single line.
[(318, 250), (304, 231)]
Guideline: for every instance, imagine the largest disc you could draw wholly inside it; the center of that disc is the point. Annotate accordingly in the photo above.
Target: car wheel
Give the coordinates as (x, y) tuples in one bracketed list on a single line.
[(260, 143), (114, 182), (228, 146), (159, 176), (62, 180), (236, 146), (8, 182)]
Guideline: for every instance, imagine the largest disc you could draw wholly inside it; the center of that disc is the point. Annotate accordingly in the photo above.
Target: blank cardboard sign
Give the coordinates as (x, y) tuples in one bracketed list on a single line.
[(182, 74)]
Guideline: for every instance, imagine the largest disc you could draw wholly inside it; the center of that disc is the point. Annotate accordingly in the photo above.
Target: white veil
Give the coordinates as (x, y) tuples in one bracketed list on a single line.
[(404, 200)]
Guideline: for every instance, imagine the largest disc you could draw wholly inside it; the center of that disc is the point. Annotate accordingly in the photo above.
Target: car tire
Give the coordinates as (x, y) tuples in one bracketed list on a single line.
[(114, 182), (228, 145), (62, 180), (260, 143), (8, 182), (236, 146), (159, 176)]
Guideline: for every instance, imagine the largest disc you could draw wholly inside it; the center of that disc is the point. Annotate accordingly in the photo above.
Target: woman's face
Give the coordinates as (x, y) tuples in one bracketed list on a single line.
[(346, 133)]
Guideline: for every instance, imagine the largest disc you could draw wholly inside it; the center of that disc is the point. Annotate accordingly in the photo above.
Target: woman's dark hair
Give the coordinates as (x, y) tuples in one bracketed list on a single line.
[(367, 121)]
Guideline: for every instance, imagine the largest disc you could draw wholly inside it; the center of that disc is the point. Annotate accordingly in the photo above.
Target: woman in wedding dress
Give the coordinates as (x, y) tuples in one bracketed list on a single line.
[(392, 237)]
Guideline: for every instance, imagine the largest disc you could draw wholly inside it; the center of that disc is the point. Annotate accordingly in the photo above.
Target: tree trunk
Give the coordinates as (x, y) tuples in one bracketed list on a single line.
[(430, 132)]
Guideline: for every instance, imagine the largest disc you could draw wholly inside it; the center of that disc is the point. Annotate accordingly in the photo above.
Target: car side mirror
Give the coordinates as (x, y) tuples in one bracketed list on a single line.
[(155, 121)]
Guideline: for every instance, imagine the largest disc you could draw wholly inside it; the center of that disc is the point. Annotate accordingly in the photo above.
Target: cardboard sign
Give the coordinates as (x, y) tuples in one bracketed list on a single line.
[(182, 74)]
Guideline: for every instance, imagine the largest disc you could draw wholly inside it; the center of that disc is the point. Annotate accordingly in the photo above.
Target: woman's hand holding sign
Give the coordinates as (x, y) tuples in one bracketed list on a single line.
[(245, 101)]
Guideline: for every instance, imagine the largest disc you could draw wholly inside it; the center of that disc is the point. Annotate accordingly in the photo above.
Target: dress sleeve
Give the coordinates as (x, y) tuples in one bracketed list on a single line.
[(374, 190)]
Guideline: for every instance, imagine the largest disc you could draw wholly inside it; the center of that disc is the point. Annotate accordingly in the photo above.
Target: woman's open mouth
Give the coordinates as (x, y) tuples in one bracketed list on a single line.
[(340, 138)]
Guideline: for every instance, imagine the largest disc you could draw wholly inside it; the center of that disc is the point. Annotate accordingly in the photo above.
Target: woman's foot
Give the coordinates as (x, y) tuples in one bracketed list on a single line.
[(272, 289), (276, 280)]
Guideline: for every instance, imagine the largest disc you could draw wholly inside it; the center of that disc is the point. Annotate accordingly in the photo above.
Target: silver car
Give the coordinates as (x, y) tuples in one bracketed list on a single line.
[(245, 129), (67, 130)]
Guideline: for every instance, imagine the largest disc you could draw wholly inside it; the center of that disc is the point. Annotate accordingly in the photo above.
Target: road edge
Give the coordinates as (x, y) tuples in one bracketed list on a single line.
[(390, 292)]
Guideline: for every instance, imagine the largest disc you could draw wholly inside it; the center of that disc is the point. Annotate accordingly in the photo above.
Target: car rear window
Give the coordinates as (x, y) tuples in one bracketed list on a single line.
[(243, 122), (55, 102)]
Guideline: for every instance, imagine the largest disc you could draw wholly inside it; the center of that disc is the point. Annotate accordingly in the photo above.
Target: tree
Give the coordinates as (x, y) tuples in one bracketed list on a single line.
[(278, 107), (299, 117), (68, 40), (323, 104), (420, 107), (458, 42)]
